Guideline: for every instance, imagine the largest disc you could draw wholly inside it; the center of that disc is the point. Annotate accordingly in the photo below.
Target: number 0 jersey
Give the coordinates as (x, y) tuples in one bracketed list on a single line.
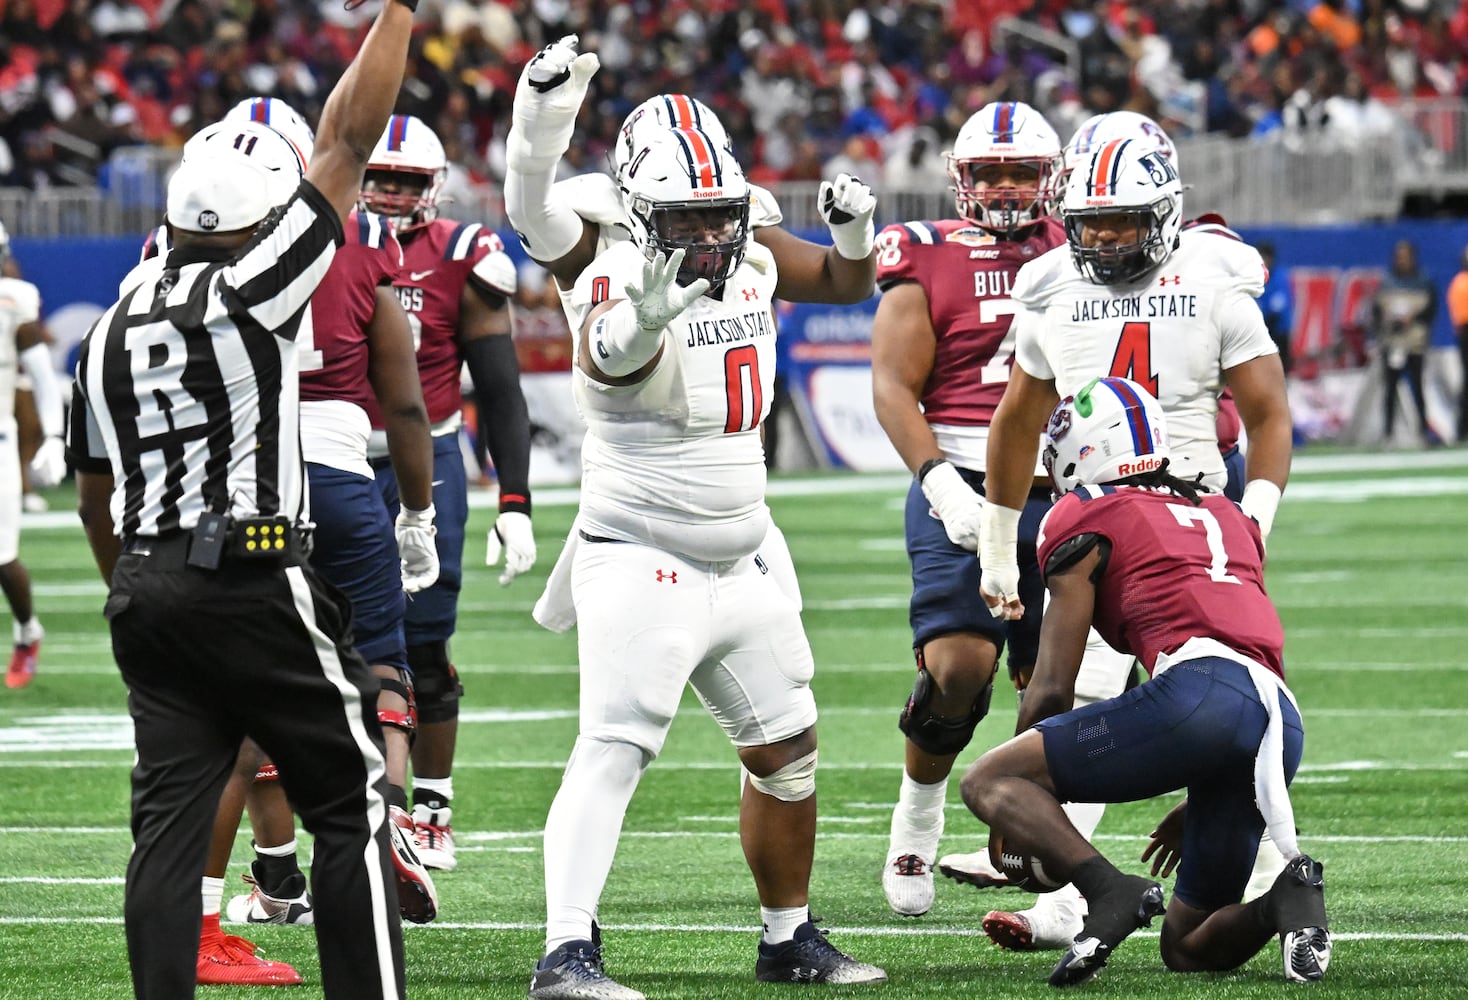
[(676, 461), (967, 275), (1175, 331), (1177, 571)]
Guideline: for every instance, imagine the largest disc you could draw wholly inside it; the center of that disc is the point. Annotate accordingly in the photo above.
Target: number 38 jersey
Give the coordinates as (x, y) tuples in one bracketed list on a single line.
[(968, 276), (1174, 331), (1177, 571), (676, 461)]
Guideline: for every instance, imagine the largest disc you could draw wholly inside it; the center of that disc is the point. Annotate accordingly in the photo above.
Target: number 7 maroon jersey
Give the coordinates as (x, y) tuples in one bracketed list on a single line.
[(1176, 571)]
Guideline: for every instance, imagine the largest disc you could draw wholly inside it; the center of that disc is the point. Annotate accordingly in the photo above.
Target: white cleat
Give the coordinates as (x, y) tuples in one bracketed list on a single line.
[(1046, 926), (973, 869), (907, 880)]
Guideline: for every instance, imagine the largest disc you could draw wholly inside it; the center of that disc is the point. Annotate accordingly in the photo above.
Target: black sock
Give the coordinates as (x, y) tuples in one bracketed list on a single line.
[(397, 796), (1262, 911), (431, 799), (1091, 876), (271, 872)]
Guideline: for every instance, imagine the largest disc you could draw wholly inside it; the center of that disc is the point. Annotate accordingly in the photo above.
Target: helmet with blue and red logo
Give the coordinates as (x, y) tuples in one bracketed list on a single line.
[(405, 174), (278, 115), (995, 139), (1112, 429), (1123, 185)]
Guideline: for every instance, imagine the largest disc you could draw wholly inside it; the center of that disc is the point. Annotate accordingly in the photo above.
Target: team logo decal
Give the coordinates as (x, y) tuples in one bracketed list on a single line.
[(970, 236)]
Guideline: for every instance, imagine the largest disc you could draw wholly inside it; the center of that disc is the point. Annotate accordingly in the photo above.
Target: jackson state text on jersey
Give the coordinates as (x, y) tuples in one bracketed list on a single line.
[(1174, 331), (967, 275), (1176, 571), (438, 260), (676, 459)]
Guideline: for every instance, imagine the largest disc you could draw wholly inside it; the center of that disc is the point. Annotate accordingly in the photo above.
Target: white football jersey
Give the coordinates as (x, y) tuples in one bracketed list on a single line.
[(676, 460), (20, 303), (596, 198), (1175, 331)]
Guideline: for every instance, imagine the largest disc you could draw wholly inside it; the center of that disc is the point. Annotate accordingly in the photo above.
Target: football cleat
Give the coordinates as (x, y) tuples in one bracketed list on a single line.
[(22, 664), (573, 971), (973, 869), (908, 883), (435, 837), (810, 958), (417, 898), (227, 960), (1297, 902), (1128, 904), (291, 906), (1306, 954), (1046, 926)]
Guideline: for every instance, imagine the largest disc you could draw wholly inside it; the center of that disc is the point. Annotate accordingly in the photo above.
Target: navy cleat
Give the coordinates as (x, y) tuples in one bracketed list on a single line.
[(574, 972), (1128, 904), (810, 958)]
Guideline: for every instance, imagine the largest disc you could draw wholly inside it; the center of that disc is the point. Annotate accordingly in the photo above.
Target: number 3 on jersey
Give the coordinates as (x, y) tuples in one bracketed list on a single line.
[(1133, 357)]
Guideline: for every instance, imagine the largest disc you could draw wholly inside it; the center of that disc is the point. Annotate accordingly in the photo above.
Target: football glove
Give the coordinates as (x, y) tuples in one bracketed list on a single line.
[(1260, 501), (415, 532), (847, 206), (660, 299), (999, 581), (511, 535), (956, 504), (543, 113), (49, 466)]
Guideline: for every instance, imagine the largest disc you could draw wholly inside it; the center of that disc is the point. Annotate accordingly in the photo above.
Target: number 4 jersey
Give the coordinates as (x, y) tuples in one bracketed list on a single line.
[(1174, 331), (967, 275), (1177, 571)]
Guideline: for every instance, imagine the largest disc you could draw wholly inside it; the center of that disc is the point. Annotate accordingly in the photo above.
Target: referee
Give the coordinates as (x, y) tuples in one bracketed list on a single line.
[(191, 489)]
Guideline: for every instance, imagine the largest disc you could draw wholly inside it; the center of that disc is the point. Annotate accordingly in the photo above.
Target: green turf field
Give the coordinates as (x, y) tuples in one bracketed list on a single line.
[(1369, 567)]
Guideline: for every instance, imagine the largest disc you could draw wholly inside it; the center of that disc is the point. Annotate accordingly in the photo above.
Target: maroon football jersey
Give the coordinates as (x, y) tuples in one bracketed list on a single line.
[(1228, 422), (334, 364), (1176, 571), (437, 261), (966, 273)]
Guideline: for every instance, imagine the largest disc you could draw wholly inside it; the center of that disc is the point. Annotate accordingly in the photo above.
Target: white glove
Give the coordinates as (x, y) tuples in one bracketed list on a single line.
[(847, 206), (1260, 501), (999, 581), (511, 534), (957, 505), (49, 466), (547, 100), (415, 533), (660, 299)]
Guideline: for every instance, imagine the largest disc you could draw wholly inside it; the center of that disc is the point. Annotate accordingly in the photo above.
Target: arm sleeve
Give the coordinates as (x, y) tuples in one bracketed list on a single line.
[(506, 421)]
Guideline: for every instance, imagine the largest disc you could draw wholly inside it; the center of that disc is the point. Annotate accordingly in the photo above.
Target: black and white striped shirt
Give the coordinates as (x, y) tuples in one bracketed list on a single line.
[(186, 389)]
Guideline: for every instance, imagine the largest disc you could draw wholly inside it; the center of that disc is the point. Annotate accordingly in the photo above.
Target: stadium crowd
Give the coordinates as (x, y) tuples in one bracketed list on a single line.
[(806, 87)]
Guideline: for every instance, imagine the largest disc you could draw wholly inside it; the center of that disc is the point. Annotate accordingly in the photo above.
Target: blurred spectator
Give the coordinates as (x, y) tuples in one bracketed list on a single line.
[(916, 164), (1458, 313), (859, 159), (1278, 305), (1402, 314)]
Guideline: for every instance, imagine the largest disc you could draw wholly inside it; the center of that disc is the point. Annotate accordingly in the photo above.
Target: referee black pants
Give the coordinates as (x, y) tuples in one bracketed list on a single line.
[(264, 650)]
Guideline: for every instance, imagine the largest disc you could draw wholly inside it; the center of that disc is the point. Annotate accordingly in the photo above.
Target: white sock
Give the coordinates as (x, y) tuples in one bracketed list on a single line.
[(286, 850), (918, 819), (27, 632), (780, 922), (213, 892), (581, 833), (442, 788)]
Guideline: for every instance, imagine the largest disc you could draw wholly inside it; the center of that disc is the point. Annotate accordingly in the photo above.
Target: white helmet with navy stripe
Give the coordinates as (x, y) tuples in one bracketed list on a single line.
[(1129, 183), (684, 191), (1004, 132), (405, 174), (655, 114), (278, 115), (1110, 430)]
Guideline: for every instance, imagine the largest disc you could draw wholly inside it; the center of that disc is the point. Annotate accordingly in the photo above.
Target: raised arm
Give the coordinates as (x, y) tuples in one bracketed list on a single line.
[(843, 273)]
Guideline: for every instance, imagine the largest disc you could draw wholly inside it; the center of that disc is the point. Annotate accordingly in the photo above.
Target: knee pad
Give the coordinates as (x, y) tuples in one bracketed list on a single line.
[(794, 782), (436, 684), (934, 734), (406, 721)]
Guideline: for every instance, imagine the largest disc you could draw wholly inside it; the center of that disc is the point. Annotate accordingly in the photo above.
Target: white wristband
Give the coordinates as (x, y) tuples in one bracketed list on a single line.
[(619, 345), (408, 518), (853, 240), (1260, 501), (998, 535)]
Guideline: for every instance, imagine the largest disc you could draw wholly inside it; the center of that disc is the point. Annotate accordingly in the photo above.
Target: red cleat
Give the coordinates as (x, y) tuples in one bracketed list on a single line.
[(228, 960), (23, 665)]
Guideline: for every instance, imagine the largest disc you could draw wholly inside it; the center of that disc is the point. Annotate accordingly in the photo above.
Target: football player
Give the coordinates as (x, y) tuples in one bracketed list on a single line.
[(1175, 576), (23, 347), (455, 284), (941, 352), (673, 372)]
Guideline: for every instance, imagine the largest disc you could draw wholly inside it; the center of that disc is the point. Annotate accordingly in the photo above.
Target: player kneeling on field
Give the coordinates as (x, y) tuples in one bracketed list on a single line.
[(1175, 577)]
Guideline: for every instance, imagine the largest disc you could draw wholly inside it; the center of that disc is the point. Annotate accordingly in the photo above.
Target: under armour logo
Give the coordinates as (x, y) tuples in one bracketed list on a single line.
[(668, 576), (1176, 279), (751, 294)]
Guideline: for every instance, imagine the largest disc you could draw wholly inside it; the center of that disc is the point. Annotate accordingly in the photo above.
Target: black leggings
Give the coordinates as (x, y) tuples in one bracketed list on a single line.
[(1413, 368)]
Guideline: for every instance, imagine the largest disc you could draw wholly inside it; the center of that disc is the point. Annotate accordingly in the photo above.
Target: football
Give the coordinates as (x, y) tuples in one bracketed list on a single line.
[(1023, 870)]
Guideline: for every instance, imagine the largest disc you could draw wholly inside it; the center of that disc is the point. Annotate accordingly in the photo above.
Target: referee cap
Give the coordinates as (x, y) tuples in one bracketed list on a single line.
[(233, 173)]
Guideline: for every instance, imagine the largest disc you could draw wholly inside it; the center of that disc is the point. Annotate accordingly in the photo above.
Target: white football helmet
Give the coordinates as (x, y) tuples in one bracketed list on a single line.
[(1098, 130), (276, 159), (1123, 179), (1005, 132), (278, 115), (405, 174), (664, 111), (683, 191), (1110, 430)]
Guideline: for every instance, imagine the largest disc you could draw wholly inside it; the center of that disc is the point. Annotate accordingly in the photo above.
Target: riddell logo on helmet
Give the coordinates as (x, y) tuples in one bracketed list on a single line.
[(1137, 468), (715, 193)]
